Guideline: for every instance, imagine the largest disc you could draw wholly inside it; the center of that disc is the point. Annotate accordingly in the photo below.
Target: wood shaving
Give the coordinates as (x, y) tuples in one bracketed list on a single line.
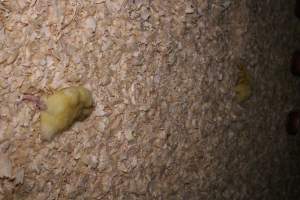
[(5, 166)]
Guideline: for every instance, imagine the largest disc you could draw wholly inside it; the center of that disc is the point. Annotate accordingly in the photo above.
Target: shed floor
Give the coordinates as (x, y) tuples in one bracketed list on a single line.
[(167, 124)]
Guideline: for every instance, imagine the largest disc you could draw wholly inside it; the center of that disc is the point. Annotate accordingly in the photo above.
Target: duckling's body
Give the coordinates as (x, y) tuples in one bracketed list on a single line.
[(243, 87), (63, 108)]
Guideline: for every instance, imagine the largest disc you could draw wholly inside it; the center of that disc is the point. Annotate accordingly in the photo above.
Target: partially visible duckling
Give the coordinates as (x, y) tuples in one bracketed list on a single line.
[(243, 87), (293, 122), (295, 65)]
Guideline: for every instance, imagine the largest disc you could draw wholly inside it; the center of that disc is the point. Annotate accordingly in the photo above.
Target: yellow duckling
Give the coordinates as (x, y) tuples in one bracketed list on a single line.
[(243, 87), (63, 108)]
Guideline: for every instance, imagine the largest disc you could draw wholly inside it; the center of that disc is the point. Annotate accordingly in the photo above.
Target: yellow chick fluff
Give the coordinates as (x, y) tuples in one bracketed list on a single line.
[(64, 107)]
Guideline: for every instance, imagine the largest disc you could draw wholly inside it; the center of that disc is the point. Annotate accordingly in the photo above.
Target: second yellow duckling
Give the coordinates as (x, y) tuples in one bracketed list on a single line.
[(243, 87)]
